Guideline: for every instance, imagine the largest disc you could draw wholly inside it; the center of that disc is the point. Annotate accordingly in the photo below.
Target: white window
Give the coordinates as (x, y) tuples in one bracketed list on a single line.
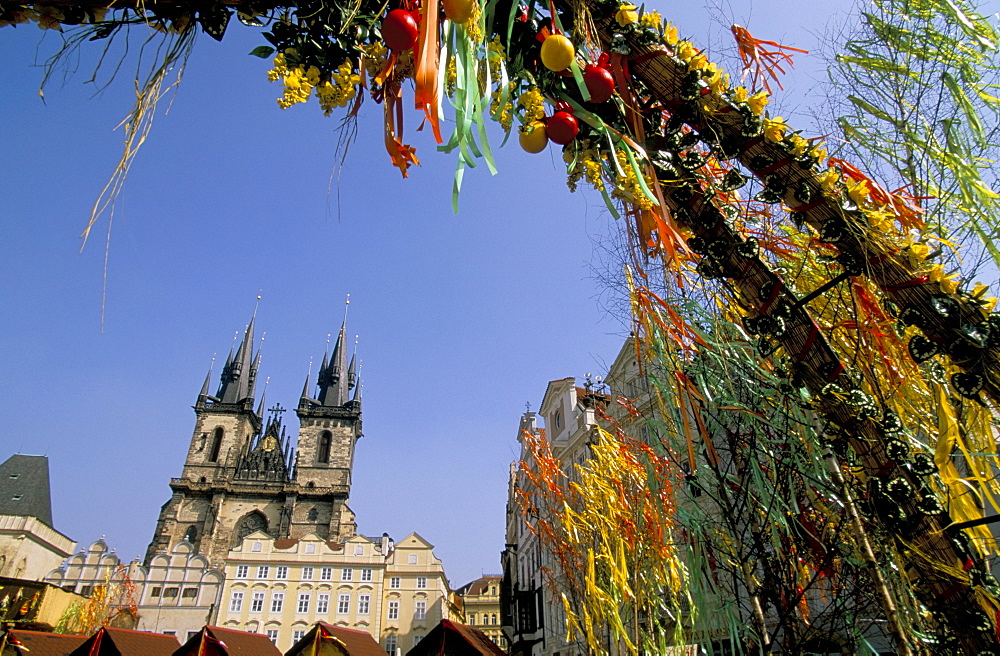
[(393, 610), (277, 601), (323, 604), (236, 602), (417, 638), (366, 574), (303, 606), (242, 571), (298, 634), (359, 550), (411, 559), (326, 574), (307, 573), (421, 583), (272, 635), (255, 547), (344, 604), (363, 602), (310, 548), (390, 644), (472, 618), (420, 610), (263, 571), (347, 574), (281, 572), (394, 582), (257, 602)]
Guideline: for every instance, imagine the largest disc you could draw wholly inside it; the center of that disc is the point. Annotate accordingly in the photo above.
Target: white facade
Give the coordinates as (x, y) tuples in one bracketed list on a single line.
[(176, 594), (536, 622), (30, 549)]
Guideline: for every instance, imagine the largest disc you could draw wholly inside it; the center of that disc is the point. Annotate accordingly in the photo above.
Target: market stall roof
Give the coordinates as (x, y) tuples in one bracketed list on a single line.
[(39, 643), (217, 641), (329, 640), (453, 639), (124, 642)]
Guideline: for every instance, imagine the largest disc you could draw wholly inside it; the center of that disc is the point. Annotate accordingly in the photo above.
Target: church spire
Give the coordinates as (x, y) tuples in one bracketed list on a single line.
[(239, 372), (334, 378), (333, 374)]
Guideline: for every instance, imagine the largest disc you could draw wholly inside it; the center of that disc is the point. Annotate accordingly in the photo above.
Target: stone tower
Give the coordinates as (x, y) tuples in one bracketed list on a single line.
[(243, 474)]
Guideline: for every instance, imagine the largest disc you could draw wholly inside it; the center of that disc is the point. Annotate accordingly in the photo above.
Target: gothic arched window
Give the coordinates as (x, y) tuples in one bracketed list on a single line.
[(323, 450), (192, 534), (213, 455), (254, 521)]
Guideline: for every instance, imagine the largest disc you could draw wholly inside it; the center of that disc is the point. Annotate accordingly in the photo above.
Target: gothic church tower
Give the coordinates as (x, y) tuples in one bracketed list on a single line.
[(243, 475)]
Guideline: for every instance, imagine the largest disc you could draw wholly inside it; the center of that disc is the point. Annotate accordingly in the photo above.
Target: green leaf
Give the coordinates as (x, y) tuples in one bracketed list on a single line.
[(866, 106), (262, 51)]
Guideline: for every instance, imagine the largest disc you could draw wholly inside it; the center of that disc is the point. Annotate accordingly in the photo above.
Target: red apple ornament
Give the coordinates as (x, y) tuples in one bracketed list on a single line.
[(562, 127), (600, 83), (399, 30)]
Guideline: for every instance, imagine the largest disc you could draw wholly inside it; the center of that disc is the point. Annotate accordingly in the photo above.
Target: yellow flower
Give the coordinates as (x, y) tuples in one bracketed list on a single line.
[(698, 62), (757, 102), (880, 221), (533, 103), (719, 82), (937, 274), (797, 145), (670, 34), (685, 50), (774, 129), (919, 251), (652, 20), (979, 292), (740, 95), (828, 180), (858, 192), (626, 15), (818, 152)]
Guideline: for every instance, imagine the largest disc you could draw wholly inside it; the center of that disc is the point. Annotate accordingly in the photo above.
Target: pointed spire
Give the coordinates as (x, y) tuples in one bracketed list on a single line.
[(333, 384), (204, 387), (260, 406), (240, 370), (305, 388)]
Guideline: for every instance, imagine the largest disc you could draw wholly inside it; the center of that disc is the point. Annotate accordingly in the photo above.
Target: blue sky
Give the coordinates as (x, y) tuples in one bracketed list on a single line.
[(462, 319)]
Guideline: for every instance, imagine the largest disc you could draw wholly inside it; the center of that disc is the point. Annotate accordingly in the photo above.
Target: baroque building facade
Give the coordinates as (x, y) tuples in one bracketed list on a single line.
[(479, 602), (396, 592)]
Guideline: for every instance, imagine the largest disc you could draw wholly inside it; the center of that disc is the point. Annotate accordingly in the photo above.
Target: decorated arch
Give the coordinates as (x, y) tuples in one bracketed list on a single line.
[(826, 384)]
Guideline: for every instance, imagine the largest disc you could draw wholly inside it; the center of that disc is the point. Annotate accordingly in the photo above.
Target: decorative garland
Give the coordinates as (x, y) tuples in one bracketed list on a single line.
[(876, 365)]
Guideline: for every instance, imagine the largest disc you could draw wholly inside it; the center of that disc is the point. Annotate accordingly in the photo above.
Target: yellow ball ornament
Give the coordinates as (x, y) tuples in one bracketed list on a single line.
[(533, 138), (458, 11), (557, 52)]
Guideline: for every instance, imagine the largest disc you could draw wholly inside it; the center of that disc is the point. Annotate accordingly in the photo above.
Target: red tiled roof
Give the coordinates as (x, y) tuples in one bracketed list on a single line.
[(39, 643), (235, 643), (357, 643), (461, 640), (479, 586), (124, 642), (285, 544)]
